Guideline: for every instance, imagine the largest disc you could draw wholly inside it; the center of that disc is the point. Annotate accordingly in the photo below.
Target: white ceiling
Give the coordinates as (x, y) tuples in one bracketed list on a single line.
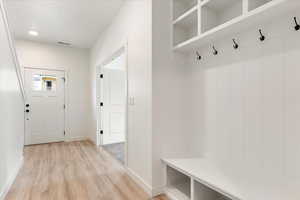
[(78, 22)]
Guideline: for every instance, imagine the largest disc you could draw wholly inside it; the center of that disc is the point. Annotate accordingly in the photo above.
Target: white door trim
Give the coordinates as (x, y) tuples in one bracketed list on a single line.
[(122, 49), (66, 99)]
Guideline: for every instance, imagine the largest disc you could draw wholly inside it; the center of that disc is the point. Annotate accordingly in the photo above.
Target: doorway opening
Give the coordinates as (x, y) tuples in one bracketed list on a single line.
[(112, 109)]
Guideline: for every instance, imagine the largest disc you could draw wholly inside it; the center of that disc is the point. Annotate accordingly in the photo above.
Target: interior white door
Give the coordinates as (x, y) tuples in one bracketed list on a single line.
[(114, 95), (45, 108)]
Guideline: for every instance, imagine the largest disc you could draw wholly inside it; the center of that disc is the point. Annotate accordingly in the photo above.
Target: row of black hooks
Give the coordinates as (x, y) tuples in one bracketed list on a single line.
[(236, 45)]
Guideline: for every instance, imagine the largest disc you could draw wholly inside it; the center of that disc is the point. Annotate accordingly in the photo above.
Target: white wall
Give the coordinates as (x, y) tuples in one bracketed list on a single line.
[(173, 132), (12, 113), (132, 24), (247, 107), (239, 109), (76, 63)]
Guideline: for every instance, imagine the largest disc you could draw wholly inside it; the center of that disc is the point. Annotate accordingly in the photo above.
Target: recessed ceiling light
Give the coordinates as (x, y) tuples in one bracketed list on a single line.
[(33, 33)]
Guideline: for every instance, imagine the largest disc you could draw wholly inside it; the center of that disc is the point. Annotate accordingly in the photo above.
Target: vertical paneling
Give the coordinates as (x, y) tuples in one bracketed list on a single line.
[(209, 109), (222, 106), (292, 115), (292, 103), (272, 111), (235, 108), (252, 110)]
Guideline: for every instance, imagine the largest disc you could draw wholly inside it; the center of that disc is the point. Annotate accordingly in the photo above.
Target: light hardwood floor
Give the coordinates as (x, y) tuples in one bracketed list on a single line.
[(73, 171)]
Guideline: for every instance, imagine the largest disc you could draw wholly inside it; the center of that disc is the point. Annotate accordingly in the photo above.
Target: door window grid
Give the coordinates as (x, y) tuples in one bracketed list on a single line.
[(45, 83)]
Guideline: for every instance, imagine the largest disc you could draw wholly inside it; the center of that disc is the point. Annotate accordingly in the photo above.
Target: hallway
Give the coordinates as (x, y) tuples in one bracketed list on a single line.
[(73, 171), (131, 99)]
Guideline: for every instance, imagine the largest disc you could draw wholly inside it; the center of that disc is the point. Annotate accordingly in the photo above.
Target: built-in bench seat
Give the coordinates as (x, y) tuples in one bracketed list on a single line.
[(198, 179)]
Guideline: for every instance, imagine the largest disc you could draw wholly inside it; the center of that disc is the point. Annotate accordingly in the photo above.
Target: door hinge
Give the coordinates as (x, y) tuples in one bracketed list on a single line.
[(64, 79), (101, 104), (64, 106), (64, 133), (101, 132), (101, 75)]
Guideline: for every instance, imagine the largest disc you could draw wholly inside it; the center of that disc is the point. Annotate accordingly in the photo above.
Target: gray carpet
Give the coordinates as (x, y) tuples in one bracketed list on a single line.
[(117, 151)]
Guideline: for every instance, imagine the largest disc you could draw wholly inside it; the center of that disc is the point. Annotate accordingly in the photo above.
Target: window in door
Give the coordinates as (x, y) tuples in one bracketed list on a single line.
[(44, 83)]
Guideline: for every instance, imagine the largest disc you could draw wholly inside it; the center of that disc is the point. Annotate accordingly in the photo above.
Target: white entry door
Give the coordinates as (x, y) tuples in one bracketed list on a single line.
[(45, 107), (114, 96)]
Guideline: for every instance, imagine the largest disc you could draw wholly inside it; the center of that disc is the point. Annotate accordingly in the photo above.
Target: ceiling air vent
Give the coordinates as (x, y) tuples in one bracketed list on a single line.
[(64, 43)]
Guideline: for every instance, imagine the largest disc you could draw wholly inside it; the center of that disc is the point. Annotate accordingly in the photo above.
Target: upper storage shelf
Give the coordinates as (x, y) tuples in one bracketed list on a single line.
[(253, 4), (216, 12), (197, 23), (182, 6), (186, 26)]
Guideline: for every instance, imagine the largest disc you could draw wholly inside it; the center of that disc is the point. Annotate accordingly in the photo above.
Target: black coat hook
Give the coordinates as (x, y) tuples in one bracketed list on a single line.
[(235, 44), (262, 37), (297, 27), (215, 51), (199, 57)]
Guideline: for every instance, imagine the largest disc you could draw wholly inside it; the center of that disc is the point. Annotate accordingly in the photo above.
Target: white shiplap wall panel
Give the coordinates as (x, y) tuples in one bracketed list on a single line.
[(292, 106), (251, 109)]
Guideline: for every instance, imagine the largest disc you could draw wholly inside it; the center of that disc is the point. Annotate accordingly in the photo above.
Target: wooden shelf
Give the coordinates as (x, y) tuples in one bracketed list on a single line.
[(259, 11)]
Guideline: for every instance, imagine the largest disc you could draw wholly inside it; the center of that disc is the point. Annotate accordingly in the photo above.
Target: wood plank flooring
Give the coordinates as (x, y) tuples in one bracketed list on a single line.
[(73, 171)]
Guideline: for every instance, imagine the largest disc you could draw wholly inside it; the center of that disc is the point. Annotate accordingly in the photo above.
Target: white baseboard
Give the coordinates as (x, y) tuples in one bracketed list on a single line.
[(152, 192), (11, 179), (77, 138), (140, 182), (89, 139), (158, 191)]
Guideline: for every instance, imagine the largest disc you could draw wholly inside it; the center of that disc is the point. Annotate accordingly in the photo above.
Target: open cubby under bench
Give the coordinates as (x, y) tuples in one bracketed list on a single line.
[(198, 179)]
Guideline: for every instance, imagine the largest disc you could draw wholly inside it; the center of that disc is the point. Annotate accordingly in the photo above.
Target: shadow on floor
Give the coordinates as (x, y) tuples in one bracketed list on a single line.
[(117, 151)]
